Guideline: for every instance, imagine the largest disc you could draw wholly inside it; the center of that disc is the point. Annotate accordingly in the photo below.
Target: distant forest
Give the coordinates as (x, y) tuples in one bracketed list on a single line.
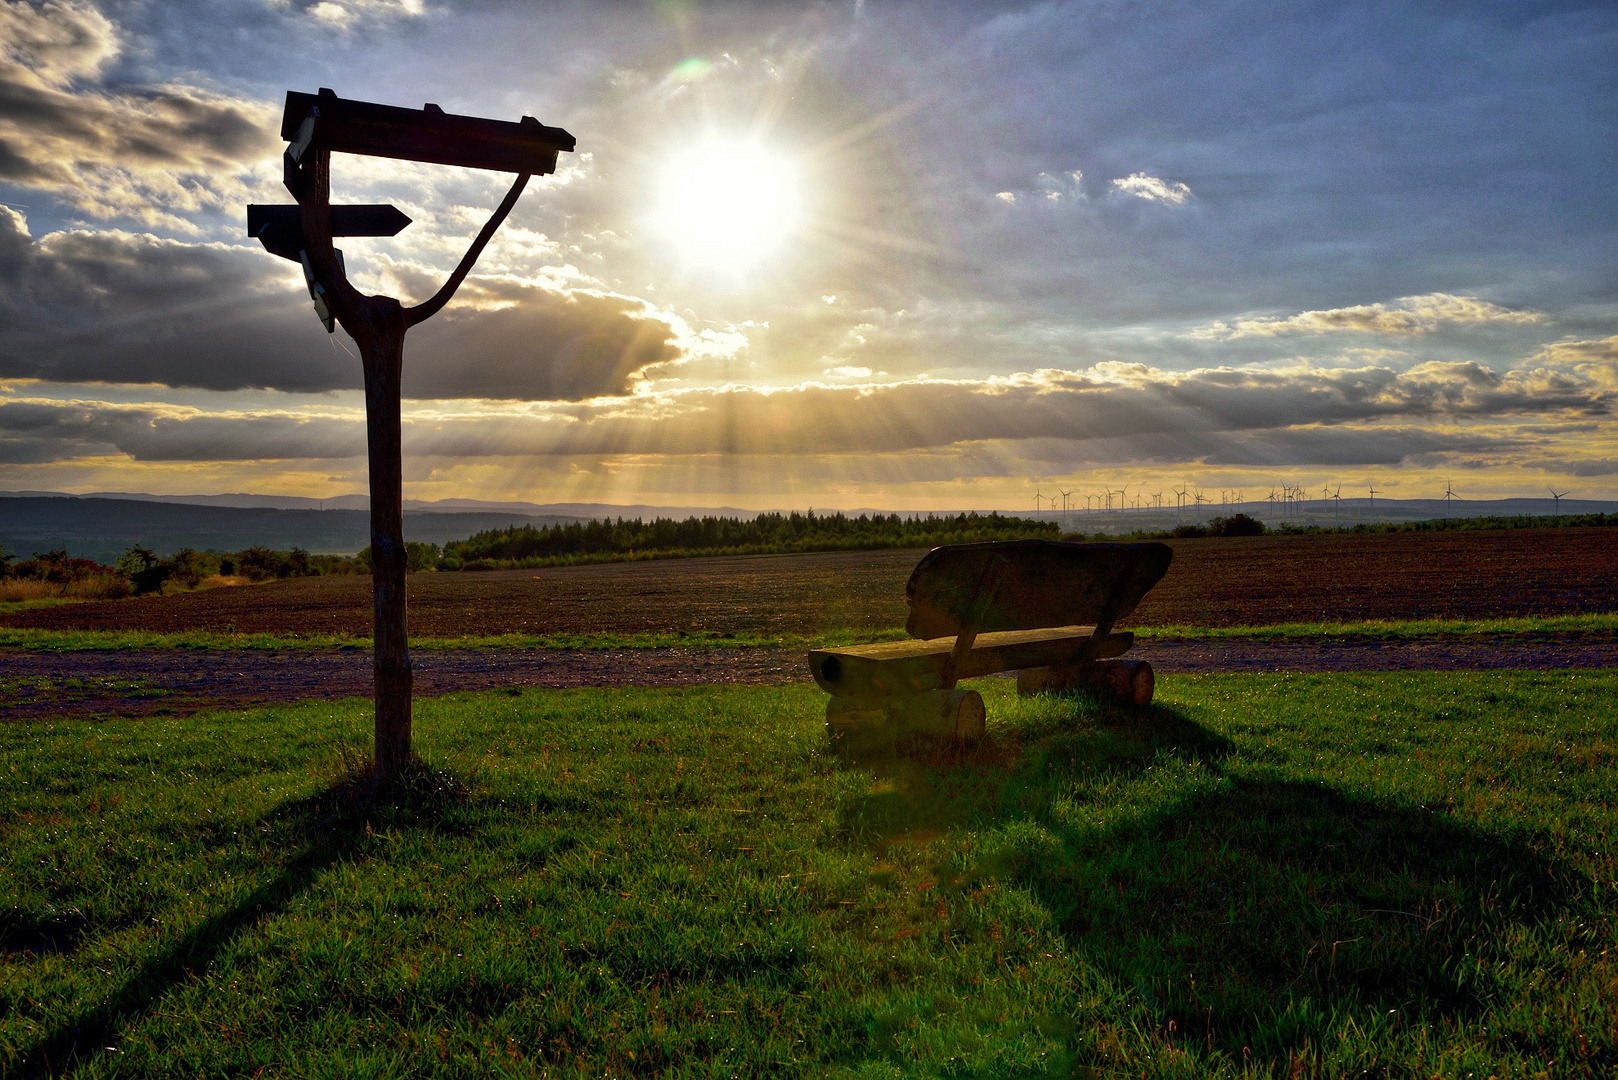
[(767, 534)]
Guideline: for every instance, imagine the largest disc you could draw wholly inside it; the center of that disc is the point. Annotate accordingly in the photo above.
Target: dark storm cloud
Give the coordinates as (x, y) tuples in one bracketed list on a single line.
[(45, 431), (121, 308), (547, 347)]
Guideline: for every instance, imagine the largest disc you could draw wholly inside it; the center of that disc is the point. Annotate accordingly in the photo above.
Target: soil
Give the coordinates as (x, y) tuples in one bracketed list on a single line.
[(1212, 582)]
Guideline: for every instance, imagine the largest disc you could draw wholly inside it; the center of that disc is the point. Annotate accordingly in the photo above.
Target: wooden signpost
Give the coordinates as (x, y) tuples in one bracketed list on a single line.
[(315, 126)]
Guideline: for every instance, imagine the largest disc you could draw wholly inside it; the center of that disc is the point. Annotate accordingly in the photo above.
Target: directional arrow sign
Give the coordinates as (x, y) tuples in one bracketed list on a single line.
[(280, 228)]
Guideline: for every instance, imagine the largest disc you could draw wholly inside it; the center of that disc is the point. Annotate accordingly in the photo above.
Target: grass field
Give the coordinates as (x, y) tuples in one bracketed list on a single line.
[(1309, 875)]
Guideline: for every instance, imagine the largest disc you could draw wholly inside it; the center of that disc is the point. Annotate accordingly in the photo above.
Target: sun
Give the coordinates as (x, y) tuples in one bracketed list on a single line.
[(728, 203)]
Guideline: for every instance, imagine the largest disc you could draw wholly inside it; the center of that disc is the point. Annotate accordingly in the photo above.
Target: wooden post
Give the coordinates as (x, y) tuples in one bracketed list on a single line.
[(382, 355), (378, 325)]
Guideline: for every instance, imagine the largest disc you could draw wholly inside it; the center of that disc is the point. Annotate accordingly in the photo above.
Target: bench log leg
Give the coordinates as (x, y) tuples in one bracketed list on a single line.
[(1130, 682), (953, 714)]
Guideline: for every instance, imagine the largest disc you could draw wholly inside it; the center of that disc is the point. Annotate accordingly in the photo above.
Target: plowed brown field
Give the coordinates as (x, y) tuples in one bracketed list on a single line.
[(1213, 582)]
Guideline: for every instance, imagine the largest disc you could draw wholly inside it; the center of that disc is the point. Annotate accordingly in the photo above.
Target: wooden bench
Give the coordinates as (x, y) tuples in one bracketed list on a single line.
[(1042, 608)]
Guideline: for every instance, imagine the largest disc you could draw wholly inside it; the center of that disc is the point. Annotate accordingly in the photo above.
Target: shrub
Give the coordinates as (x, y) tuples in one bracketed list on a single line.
[(188, 567), (1236, 525)]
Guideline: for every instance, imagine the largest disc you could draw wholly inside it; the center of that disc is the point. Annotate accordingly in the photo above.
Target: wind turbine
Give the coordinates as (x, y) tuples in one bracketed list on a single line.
[(1065, 494), (1337, 507), (1558, 497), (1037, 498), (1449, 493)]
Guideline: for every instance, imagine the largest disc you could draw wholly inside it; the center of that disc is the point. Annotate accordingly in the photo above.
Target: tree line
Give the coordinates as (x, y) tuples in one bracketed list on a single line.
[(767, 534)]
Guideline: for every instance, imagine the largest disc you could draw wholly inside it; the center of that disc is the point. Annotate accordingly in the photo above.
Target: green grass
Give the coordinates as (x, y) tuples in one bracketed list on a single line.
[(1410, 875), (1415, 629)]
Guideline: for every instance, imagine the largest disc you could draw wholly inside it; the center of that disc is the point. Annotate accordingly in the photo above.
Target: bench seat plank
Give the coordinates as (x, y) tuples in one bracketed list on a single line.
[(910, 667)]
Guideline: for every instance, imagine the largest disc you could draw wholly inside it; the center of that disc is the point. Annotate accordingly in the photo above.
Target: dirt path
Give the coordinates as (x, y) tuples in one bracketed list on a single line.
[(40, 684)]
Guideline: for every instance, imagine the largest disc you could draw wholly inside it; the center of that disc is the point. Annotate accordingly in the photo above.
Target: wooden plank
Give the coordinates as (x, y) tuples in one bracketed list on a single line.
[(912, 667), (1023, 584), (429, 135)]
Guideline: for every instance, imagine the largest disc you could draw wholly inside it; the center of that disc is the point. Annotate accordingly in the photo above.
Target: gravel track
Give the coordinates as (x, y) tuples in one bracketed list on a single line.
[(41, 684)]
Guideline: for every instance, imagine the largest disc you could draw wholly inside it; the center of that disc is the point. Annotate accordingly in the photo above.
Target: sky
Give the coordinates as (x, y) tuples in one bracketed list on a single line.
[(854, 254)]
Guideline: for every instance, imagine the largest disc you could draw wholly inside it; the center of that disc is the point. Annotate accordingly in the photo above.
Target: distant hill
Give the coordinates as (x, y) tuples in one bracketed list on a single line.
[(104, 528), (569, 511)]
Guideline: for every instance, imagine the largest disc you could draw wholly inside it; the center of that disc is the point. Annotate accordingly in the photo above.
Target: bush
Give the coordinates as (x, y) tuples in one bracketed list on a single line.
[(1236, 525), (418, 557), (55, 574)]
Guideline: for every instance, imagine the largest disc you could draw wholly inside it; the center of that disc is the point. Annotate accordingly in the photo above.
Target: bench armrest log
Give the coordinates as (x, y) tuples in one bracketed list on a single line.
[(1129, 682), (901, 668)]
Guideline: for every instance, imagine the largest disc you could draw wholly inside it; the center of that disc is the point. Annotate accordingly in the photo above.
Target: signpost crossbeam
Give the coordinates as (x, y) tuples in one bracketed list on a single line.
[(429, 135)]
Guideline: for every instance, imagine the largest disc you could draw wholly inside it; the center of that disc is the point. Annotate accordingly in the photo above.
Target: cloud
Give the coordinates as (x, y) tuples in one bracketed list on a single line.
[(346, 14), (118, 307), (1152, 189), (153, 154), (1596, 360), (1049, 188), (56, 42), (1113, 415), (1407, 316), (38, 430), (546, 346)]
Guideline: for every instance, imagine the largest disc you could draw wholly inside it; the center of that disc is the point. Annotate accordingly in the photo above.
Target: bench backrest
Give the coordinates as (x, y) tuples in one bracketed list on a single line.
[(1029, 584)]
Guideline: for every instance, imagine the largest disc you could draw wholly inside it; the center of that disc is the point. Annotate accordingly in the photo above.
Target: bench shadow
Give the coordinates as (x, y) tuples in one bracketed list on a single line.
[(317, 832), (1237, 920), (926, 784)]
